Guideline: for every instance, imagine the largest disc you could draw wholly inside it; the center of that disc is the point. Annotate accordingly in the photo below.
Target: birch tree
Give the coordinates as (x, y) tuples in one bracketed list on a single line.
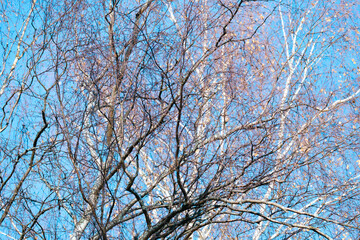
[(179, 120)]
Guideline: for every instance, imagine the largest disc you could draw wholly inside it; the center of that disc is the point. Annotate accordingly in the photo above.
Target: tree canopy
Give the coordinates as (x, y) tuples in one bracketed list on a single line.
[(193, 119)]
